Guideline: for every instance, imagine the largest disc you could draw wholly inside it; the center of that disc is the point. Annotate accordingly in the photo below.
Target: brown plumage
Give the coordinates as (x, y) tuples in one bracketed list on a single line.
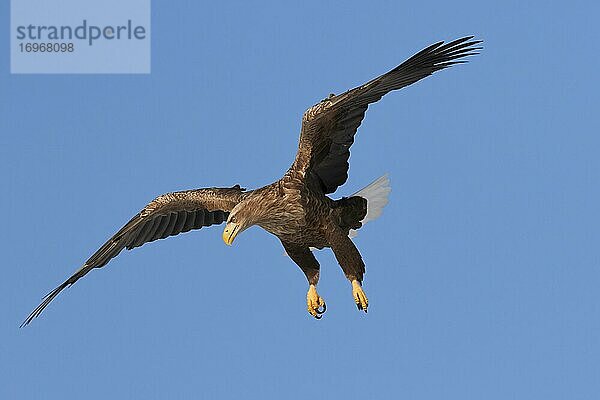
[(295, 208)]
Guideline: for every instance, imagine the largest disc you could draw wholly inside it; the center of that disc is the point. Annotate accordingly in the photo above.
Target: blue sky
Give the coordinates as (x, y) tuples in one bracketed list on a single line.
[(482, 274)]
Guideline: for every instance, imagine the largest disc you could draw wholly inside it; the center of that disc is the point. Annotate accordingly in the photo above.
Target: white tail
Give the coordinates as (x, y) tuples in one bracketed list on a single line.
[(376, 194)]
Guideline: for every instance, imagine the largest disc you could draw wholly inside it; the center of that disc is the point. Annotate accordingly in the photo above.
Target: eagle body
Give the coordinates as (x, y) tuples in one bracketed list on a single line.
[(298, 211), (296, 208)]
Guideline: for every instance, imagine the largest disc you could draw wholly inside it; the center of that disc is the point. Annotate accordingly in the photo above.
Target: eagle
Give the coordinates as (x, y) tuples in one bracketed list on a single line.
[(295, 208)]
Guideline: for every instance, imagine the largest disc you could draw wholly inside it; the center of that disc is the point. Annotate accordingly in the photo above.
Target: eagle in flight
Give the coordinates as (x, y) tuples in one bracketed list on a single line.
[(295, 208)]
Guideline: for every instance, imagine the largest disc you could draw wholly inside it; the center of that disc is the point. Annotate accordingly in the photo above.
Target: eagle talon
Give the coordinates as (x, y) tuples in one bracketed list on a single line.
[(315, 303), (360, 298), (324, 306)]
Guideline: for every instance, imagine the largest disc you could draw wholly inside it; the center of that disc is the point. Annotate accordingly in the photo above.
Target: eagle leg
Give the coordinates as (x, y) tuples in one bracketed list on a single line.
[(307, 262), (351, 262)]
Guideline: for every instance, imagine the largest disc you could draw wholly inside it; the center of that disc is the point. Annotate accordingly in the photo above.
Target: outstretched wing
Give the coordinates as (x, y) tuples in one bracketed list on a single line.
[(168, 215), (328, 128)]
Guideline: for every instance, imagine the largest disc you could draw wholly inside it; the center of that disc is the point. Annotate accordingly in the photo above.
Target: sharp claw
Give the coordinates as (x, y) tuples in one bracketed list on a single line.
[(318, 309), (317, 316)]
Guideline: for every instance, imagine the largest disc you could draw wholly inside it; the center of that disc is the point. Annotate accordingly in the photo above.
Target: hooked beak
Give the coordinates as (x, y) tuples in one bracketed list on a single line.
[(230, 232)]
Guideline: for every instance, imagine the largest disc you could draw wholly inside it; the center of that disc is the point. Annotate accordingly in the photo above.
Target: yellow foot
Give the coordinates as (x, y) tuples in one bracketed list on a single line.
[(314, 302), (360, 298)]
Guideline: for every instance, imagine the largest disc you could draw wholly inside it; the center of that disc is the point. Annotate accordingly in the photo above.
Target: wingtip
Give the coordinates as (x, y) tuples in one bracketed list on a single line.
[(465, 41), (466, 38), (45, 301), (475, 42)]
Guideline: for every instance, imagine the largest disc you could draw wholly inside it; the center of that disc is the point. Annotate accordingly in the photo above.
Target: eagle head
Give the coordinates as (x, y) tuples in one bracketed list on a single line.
[(240, 219)]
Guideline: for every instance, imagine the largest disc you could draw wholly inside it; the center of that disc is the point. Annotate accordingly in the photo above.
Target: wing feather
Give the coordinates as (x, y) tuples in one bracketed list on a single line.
[(161, 226), (168, 229), (180, 219), (328, 128), (199, 223), (189, 222), (167, 215), (143, 231), (153, 226)]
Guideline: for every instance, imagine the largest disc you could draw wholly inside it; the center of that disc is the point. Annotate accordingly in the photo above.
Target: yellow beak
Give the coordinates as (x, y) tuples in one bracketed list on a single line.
[(230, 232)]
